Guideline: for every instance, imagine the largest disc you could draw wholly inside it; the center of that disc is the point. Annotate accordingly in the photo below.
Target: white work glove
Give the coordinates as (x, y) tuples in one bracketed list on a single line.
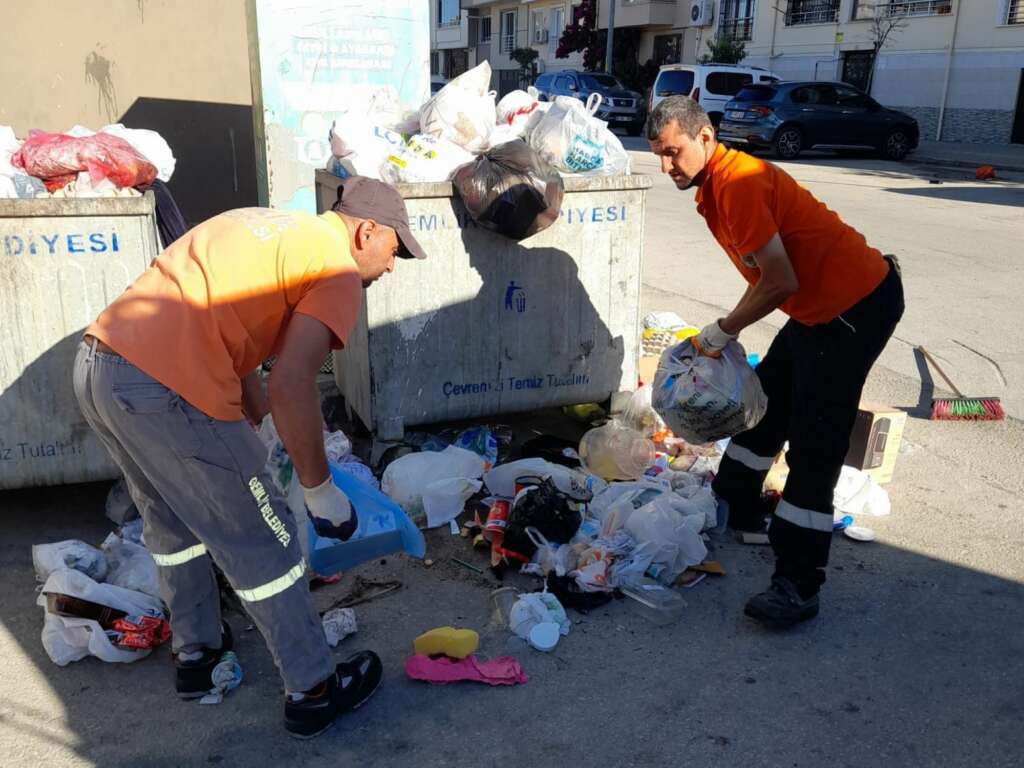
[(712, 340), (331, 510)]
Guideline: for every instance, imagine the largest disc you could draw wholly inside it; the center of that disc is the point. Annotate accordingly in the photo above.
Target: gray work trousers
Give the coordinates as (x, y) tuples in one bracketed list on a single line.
[(204, 493)]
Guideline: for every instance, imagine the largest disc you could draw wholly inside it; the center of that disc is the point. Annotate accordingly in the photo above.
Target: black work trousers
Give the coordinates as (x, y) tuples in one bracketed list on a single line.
[(813, 376)]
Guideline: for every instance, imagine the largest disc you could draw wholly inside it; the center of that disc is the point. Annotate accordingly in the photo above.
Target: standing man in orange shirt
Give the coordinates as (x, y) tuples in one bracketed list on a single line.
[(166, 376), (844, 300)]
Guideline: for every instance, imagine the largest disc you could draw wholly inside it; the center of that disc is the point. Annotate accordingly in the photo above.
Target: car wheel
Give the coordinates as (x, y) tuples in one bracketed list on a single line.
[(897, 145), (788, 143)]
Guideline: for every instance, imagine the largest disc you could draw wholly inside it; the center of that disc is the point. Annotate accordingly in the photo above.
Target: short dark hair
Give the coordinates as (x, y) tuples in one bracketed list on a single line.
[(687, 114)]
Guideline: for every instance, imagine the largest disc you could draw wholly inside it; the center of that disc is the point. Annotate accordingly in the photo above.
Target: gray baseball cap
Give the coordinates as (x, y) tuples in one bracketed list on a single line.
[(367, 198)]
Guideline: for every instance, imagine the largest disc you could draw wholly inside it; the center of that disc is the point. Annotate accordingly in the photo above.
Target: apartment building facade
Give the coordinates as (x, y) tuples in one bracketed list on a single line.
[(465, 33), (955, 65)]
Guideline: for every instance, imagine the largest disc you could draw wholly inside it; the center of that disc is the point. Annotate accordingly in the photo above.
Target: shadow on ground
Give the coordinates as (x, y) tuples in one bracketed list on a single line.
[(1012, 195)]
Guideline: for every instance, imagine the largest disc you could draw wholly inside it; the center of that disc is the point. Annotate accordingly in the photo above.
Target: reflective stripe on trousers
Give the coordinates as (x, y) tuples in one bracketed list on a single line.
[(271, 588), (804, 518), (748, 458), (180, 558)]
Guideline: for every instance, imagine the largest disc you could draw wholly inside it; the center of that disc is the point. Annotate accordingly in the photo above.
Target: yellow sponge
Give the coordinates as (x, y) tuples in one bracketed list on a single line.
[(449, 641)]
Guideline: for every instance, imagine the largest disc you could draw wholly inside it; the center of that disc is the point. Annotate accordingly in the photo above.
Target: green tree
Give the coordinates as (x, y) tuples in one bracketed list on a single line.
[(724, 50), (525, 58)]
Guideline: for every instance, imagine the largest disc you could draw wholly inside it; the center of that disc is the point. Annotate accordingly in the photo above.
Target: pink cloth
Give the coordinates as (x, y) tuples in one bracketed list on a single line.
[(503, 671)]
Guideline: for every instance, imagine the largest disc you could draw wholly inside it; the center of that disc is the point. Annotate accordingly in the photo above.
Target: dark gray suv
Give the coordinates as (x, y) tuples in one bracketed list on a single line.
[(793, 117), (620, 107)]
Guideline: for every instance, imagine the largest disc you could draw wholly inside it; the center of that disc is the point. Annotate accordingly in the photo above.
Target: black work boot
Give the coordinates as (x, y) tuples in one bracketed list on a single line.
[(193, 676), (782, 605), (311, 713)]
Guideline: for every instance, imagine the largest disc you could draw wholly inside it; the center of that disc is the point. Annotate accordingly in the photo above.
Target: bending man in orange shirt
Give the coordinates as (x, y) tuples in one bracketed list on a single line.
[(844, 300), (165, 376)]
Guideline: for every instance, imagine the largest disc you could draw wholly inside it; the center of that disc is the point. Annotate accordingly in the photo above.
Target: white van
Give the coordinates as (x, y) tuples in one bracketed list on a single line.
[(711, 85)]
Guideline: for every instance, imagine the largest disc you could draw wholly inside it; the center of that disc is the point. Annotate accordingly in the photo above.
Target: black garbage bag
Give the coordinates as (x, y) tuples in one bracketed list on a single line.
[(511, 190), (542, 506)]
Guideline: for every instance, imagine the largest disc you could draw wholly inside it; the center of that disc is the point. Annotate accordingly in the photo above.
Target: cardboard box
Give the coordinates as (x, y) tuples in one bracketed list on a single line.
[(648, 367), (875, 440)]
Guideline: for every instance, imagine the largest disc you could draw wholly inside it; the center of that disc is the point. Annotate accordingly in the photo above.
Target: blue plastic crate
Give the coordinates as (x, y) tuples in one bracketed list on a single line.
[(383, 528)]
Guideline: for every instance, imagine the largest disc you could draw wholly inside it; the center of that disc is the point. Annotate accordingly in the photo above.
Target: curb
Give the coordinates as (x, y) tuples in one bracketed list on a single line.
[(925, 160)]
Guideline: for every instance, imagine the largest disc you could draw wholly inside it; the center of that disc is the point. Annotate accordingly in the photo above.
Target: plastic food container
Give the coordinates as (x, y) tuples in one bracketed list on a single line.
[(655, 602)]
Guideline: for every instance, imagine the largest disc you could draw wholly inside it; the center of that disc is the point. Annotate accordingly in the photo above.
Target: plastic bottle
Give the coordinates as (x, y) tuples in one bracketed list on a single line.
[(615, 452)]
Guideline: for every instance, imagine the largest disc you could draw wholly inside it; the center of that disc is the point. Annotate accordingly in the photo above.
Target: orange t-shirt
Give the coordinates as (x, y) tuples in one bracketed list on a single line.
[(214, 305), (746, 201)]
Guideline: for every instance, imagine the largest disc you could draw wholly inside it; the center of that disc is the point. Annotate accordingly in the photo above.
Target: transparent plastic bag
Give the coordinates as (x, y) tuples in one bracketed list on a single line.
[(57, 159), (639, 414), (675, 535), (703, 399), (511, 190)]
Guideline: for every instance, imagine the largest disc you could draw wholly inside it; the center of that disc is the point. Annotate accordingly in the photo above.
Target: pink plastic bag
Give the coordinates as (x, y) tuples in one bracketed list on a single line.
[(503, 671), (57, 158)]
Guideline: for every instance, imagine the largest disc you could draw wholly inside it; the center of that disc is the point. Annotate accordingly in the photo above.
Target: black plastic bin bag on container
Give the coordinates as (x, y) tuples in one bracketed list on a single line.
[(511, 190)]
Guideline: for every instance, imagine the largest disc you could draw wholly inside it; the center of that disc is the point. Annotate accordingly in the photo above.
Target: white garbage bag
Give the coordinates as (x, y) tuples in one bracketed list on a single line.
[(664, 523), (502, 479), (703, 399), (857, 493), (515, 110), (569, 137), (149, 144), (131, 566), (66, 639), (360, 148), (435, 483), (74, 554), (423, 159), (14, 182), (463, 111)]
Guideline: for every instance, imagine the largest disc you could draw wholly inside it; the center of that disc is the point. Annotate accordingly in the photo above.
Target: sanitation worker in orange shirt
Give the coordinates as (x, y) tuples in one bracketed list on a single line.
[(843, 298)]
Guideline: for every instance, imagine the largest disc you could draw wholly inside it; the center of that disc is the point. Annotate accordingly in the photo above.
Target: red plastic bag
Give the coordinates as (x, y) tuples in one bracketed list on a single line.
[(57, 158)]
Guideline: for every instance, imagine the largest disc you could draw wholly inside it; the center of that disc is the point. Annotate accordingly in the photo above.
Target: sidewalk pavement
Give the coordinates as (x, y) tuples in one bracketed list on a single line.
[(1006, 157)]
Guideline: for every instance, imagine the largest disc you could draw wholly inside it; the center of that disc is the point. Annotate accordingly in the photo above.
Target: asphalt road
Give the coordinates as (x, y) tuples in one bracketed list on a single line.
[(916, 659)]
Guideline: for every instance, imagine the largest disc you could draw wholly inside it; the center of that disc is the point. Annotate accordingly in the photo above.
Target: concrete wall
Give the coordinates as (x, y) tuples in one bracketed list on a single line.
[(180, 67)]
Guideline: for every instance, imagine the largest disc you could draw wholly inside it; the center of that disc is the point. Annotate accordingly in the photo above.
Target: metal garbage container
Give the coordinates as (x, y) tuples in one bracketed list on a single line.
[(486, 325), (61, 262)]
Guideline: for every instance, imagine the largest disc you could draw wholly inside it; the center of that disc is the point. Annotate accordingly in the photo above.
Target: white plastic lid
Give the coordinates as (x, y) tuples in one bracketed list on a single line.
[(544, 636), (860, 533)]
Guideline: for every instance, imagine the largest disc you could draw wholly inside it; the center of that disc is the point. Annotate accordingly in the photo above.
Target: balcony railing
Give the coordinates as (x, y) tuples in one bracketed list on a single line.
[(454, 21), (508, 43), (1015, 12), (919, 7), (812, 13), (737, 29)]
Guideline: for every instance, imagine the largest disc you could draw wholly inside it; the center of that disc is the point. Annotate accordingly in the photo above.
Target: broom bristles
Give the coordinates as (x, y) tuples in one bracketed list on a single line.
[(967, 409)]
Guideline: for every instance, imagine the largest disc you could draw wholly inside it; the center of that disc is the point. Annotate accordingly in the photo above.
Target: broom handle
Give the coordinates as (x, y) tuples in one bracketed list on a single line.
[(942, 373)]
